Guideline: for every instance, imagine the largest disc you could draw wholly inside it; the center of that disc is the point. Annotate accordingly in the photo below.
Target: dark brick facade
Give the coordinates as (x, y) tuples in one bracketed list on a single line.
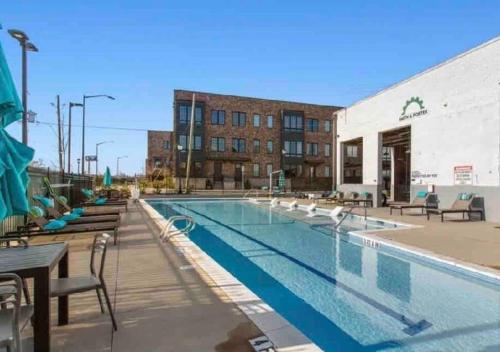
[(223, 167), (160, 153)]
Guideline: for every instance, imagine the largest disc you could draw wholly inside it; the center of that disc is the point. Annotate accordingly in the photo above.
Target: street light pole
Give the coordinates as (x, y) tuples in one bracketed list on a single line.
[(71, 105), (26, 46), (97, 156), (85, 97), (118, 163)]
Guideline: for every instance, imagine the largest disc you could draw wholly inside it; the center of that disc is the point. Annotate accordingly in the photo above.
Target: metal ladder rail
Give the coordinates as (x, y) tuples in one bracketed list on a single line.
[(167, 230), (349, 212), (253, 190)]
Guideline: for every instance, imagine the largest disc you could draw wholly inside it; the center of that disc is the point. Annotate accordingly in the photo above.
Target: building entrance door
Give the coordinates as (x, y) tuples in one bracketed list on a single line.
[(238, 175), (218, 178), (396, 163)]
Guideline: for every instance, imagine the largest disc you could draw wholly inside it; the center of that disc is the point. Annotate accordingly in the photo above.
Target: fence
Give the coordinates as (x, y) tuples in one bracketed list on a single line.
[(73, 184), (311, 184)]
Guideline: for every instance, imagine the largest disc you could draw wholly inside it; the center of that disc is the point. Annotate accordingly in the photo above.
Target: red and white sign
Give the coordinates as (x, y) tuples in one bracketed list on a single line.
[(463, 175)]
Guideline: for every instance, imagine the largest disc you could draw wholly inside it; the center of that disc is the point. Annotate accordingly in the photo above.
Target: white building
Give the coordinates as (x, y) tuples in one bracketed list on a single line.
[(440, 127)]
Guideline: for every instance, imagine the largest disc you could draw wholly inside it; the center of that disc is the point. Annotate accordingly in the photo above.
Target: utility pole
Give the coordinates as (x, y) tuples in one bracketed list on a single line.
[(334, 151), (190, 146), (59, 135)]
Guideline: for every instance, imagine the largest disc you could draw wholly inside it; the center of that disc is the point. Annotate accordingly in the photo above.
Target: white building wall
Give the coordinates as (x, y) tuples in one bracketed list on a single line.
[(461, 127)]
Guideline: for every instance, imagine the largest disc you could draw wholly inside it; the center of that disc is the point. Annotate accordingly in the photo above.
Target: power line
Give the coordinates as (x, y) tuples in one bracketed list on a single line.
[(96, 127)]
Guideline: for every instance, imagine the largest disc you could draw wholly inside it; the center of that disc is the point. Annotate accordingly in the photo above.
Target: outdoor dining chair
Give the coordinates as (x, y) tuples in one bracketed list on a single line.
[(14, 316), (95, 281), (17, 242)]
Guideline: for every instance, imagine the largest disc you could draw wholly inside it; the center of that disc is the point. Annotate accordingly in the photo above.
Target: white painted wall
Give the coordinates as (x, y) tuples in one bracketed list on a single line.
[(462, 126)]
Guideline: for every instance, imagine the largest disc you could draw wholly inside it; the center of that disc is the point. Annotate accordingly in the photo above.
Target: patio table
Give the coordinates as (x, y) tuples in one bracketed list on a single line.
[(37, 262)]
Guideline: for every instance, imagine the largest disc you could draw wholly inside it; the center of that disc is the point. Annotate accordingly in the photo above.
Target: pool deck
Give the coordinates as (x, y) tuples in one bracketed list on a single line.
[(476, 242), (161, 303)]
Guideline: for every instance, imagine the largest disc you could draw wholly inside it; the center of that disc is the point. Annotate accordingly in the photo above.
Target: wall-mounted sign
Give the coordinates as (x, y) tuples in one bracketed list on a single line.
[(414, 107), (463, 175)]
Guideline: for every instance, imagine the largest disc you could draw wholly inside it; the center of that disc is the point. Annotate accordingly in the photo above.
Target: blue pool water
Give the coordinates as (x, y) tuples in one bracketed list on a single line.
[(341, 294)]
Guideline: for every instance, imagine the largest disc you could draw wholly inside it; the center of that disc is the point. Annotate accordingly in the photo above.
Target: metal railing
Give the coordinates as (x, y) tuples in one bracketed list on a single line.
[(167, 231)]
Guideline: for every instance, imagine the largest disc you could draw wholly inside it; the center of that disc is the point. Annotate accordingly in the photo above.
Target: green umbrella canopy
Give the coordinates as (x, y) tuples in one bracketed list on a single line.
[(281, 180), (107, 180), (14, 156)]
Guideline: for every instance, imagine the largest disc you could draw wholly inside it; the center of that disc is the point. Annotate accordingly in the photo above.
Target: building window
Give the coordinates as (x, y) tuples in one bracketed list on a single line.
[(256, 170), (157, 162), (185, 114), (183, 141), (352, 151), (312, 125), (293, 123), (197, 168), (256, 120), (218, 144), (293, 170), (239, 145), (269, 169), (256, 145), (270, 121), (239, 119), (328, 148), (166, 145), (312, 149), (327, 171), (352, 166), (269, 147), (328, 126), (218, 117), (293, 148)]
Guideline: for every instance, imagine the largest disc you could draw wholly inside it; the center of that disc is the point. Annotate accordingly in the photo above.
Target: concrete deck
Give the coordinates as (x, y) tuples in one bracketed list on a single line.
[(476, 242), (161, 304)]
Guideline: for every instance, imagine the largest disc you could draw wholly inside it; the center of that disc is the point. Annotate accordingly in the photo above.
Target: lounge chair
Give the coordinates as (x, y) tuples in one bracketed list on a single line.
[(63, 202), (72, 218), (93, 201), (464, 204), (349, 197), (44, 227), (333, 197), (423, 200)]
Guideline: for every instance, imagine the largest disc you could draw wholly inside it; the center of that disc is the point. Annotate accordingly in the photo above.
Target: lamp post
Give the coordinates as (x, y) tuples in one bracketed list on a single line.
[(118, 163), (26, 46), (85, 97), (97, 155), (179, 150), (71, 105), (78, 162)]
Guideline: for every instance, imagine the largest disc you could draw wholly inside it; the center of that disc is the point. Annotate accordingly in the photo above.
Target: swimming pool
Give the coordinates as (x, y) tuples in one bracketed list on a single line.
[(341, 293)]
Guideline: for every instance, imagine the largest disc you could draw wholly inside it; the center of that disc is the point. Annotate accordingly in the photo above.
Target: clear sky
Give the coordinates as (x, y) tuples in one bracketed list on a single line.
[(328, 52)]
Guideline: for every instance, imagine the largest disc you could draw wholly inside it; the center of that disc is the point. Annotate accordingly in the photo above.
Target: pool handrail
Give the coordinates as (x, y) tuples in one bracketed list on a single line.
[(166, 232)]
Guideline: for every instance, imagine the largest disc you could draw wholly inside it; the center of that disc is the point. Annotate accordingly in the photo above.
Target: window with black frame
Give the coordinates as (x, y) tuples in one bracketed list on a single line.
[(218, 117), (293, 122), (312, 125), (293, 148), (256, 145), (218, 144), (239, 145), (239, 119), (185, 114), (312, 149)]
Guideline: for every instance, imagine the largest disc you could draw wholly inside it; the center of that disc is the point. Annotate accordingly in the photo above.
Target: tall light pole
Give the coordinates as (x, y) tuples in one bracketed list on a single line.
[(118, 163), (178, 167), (71, 105), (26, 46), (97, 155), (85, 97)]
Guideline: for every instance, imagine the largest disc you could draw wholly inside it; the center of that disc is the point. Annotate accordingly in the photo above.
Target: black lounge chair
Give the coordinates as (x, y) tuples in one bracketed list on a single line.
[(423, 201), (464, 204), (38, 228)]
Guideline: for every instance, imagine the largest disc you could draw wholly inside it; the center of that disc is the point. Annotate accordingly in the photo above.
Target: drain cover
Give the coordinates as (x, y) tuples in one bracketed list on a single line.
[(262, 344)]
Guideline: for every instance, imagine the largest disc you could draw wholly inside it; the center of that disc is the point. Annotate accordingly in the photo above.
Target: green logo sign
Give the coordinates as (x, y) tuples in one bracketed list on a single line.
[(416, 102)]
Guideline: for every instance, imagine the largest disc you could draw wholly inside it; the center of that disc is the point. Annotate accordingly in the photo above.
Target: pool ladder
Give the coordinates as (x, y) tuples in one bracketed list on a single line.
[(168, 231), (349, 212)]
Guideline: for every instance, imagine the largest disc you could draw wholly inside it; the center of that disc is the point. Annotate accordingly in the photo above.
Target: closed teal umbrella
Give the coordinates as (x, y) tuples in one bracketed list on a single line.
[(107, 180), (281, 180), (14, 156)]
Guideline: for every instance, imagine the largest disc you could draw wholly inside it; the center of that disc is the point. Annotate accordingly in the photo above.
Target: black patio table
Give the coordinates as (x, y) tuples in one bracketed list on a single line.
[(37, 262)]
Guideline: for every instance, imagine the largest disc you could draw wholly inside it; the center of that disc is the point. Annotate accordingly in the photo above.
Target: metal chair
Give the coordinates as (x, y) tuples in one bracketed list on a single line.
[(13, 316), (17, 242), (72, 285)]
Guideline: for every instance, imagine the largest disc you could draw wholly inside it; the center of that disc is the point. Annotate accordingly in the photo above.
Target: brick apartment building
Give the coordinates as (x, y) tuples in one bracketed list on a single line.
[(160, 161), (240, 138)]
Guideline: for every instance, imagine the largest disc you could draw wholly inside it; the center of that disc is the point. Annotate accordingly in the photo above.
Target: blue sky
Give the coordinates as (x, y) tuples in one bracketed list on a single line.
[(328, 52)]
